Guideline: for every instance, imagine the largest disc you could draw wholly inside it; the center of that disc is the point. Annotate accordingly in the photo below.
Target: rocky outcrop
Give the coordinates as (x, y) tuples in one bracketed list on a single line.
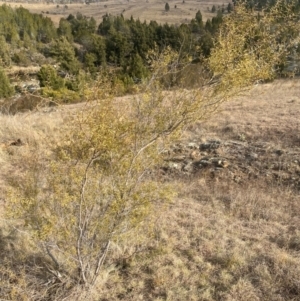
[(237, 160)]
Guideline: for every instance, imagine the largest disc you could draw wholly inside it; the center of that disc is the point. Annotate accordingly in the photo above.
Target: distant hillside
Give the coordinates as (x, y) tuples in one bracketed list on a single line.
[(181, 11), (81, 47)]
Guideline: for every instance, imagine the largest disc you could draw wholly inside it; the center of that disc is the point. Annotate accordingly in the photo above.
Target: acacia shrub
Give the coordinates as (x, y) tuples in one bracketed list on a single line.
[(98, 184)]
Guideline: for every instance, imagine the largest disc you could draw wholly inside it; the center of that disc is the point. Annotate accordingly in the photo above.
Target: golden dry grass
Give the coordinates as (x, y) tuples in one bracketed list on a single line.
[(210, 251), (218, 240), (37, 131), (144, 10), (221, 240), (269, 112)]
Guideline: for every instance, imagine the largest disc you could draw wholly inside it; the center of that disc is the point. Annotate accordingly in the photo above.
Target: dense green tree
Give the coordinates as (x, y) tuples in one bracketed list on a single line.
[(94, 45), (118, 47), (105, 25), (21, 58), (206, 44), (6, 89), (167, 7), (90, 61), (25, 22), (7, 21), (48, 77), (208, 25), (64, 52), (141, 38), (65, 29), (229, 7), (213, 25), (81, 26), (46, 30), (199, 17), (196, 27), (11, 33), (34, 25), (5, 59), (137, 70), (20, 23)]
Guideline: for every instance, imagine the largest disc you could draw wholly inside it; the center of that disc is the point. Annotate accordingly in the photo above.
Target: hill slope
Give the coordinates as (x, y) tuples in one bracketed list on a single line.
[(144, 10), (233, 233)]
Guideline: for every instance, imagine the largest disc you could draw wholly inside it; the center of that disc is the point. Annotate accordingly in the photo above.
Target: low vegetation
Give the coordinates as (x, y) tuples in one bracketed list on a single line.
[(96, 205)]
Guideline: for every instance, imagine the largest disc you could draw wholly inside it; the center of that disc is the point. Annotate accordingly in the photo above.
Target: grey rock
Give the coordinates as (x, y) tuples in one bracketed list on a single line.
[(177, 158), (192, 145), (210, 145), (279, 152), (252, 156), (176, 166), (189, 167)]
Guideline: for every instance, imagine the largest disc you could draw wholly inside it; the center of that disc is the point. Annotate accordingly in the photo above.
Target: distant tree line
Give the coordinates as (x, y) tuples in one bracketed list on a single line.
[(80, 45), (118, 41)]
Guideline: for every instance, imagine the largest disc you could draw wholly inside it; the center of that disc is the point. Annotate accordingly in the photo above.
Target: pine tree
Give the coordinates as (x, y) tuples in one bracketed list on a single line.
[(5, 88), (48, 77), (65, 54), (65, 29), (229, 7), (137, 70), (199, 18)]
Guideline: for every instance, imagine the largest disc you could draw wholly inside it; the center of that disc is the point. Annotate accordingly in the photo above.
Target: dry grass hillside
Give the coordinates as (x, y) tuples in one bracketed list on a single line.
[(144, 10), (233, 232)]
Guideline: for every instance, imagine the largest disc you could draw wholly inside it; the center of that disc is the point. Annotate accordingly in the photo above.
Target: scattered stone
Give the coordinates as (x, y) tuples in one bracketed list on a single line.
[(189, 167), (192, 145), (178, 148), (252, 156), (235, 160), (210, 145), (194, 155), (176, 159), (279, 152), (175, 166), (17, 142), (237, 179), (225, 164), (29, 86), (202, 163)]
